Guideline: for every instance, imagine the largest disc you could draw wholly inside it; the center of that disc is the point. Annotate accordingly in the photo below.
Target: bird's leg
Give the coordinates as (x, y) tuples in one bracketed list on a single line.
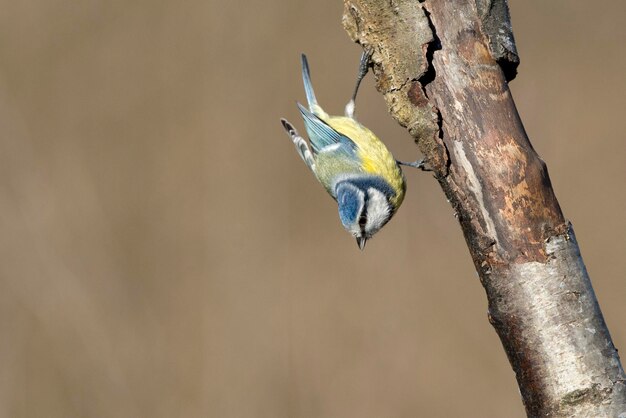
[(419, 164), (363, 68)]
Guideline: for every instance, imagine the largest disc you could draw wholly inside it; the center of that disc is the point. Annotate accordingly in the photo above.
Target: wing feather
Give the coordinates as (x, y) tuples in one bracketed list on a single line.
[(322, 135)]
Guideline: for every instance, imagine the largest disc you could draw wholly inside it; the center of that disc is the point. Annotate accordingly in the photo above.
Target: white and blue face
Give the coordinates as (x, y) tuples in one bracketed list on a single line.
[(364, 208)]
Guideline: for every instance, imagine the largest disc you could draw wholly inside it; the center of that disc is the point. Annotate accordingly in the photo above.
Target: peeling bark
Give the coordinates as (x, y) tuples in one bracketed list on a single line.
[(495, 23), (443, 68)]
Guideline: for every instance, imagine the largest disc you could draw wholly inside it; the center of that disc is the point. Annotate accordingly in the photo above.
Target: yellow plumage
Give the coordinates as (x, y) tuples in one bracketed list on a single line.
[(375, 156)]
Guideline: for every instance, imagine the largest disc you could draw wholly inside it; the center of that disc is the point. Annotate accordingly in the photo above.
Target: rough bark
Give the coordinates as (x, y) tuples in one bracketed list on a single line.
[(443, 68)]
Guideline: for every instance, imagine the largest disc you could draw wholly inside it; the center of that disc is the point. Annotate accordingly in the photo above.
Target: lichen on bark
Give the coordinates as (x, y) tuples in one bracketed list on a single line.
[(391, 31)]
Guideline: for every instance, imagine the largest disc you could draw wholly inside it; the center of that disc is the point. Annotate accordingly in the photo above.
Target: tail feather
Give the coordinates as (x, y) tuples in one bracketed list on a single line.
[(308, 87), (301, 145)]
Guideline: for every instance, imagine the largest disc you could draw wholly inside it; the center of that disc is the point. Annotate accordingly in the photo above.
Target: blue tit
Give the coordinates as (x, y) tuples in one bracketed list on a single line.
[(354, 166)]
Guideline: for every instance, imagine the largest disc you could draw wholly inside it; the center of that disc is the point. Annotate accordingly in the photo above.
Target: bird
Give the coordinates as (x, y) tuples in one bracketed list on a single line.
[(350, 161)]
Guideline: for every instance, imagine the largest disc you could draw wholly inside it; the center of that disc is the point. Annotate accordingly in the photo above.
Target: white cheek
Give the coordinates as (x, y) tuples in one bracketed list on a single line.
[(377, 211)]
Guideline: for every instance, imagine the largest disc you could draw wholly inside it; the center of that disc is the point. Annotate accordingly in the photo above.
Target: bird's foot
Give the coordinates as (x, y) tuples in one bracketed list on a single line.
[(419, 164), (364, 64)]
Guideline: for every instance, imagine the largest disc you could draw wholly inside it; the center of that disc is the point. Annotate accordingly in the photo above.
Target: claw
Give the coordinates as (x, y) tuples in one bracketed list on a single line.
[(419, 164)]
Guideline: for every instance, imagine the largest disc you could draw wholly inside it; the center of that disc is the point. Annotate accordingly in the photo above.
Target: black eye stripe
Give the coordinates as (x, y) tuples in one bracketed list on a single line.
[(363, 216)]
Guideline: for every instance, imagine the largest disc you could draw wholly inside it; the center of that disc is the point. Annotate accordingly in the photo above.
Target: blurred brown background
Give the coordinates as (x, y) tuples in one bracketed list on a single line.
[(165, 253)]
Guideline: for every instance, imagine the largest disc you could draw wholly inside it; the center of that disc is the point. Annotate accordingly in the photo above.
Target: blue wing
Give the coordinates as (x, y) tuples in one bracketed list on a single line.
[(321, 135)]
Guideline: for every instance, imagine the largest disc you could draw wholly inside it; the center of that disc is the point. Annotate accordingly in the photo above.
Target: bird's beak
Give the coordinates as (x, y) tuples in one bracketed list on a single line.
[(361, 242)]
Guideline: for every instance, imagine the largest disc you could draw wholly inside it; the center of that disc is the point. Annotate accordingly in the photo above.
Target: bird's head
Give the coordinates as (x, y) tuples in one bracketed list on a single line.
[(363, 208)]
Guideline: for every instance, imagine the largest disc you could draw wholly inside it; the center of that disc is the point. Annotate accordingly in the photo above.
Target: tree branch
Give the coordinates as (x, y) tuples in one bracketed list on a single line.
[(443, 67)]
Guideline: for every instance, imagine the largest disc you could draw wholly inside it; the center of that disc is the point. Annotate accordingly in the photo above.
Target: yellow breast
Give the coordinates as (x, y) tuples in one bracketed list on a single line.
[(375, 156)]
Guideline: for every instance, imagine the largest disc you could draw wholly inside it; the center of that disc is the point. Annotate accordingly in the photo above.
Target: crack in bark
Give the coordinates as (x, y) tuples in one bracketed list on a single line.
[(435, 45), (428, 77)]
